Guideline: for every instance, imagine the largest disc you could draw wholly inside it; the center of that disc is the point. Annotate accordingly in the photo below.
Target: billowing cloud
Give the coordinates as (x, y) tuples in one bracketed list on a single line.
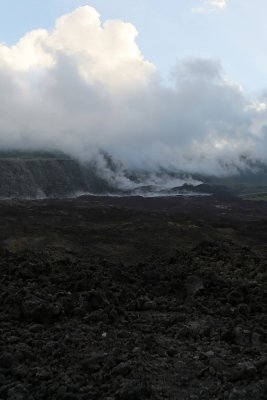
[(211, 5), (101, 53), (86, 86)]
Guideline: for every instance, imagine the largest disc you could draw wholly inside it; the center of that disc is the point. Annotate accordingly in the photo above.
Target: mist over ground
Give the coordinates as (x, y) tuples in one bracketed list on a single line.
[(85, 86)]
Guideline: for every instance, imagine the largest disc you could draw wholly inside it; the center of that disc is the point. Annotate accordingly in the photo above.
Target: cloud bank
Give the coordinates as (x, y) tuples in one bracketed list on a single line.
[(86, 86)]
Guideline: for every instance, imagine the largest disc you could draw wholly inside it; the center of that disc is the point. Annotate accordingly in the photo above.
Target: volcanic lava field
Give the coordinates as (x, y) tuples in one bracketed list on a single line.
[(131, 298)]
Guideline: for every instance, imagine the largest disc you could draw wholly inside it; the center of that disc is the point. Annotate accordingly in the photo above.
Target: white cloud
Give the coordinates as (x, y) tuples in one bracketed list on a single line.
[(218, 3), (101, 53), (211, 5), (86, 86)]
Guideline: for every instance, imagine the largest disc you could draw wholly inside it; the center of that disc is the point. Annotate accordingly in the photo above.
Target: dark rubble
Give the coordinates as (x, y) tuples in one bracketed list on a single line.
[(118, 299)]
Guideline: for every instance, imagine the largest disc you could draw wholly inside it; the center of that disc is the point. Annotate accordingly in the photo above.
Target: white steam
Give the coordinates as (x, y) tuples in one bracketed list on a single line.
[(86, 86)]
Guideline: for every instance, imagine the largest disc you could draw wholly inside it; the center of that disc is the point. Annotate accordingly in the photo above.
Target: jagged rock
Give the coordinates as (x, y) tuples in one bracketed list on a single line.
[(110, 314), (241, 336), (133, 391), (7, 360), (244, 371), (256, 339), (194, 286), (238, 394), (19, 392), (94, 362), (23, 352), (96, 299), (41, 311), (123, 369)]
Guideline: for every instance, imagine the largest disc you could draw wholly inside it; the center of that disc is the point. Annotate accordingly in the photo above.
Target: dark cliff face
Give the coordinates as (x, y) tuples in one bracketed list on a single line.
[(35, 177)]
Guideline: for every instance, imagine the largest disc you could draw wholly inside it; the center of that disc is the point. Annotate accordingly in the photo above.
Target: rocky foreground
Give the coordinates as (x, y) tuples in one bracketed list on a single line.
[(131, 299)]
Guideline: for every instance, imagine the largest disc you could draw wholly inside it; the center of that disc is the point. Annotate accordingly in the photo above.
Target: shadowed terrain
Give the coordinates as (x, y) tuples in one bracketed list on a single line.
[(133, 298)]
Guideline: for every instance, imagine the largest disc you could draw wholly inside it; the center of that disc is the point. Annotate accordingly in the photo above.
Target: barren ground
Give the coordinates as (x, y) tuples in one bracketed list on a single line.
[(133, 298)]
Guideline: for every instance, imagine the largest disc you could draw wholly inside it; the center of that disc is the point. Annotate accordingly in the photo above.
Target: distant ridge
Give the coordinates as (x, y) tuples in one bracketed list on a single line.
[(43, 174)]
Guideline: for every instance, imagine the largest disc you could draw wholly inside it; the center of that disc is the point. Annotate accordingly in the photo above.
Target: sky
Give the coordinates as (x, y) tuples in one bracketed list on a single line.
[(173, 84), (168, 30)]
